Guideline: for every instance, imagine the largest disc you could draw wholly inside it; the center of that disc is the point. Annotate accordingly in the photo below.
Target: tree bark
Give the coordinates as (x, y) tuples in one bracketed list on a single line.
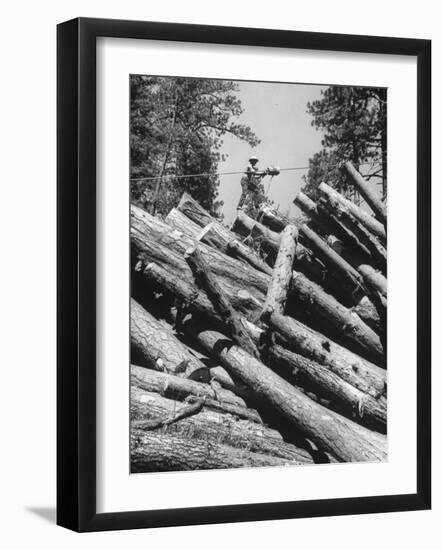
[(155, 241), (194, 211), (157, 452), (356, 370), (331, 258), (206, 280), (319, 305), (156, 345), (269, 240), (365, 237), (371, 223), (282, 273), (217, 427), (177, 388), (304, 372), (179, 221), (374, 279), (216, 235), (367, 192), (243, 252), (330, 431), (366, 310), (274, 220)]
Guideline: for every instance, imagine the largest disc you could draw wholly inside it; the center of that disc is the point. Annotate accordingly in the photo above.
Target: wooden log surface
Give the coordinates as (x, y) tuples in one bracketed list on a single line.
[(359, 372), (344, 439), (155, 241), (194, 211), (368, 192), (279, 285), (220, 301), (332, 259), (156, 345), (370, 241), (215, 426), (319, 305), (181, 222), (371, 223), (308, 374), (158, 452), (177, 388)]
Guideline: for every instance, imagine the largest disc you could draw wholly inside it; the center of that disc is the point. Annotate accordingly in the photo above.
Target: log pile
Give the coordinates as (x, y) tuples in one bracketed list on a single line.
[(262, 344)]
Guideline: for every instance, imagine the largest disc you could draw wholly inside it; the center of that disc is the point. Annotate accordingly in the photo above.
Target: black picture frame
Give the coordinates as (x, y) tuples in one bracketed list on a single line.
[(76, 274)]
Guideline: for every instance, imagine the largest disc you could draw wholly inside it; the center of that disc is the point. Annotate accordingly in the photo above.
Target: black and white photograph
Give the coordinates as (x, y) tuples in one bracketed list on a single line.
[(258, 274)]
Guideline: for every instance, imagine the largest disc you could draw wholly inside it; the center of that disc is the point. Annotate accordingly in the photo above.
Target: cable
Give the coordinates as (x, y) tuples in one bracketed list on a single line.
[(149, 178)]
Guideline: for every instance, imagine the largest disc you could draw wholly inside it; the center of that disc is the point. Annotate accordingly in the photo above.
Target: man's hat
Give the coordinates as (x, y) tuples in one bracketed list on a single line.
[(253, 158)]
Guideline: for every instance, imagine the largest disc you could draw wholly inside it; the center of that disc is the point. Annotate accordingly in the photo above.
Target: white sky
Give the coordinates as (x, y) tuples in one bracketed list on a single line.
[(277, 113)]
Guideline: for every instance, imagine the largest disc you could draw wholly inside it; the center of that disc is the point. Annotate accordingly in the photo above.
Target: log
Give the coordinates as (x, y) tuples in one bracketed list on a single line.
[(373, 279), (282, 273), (194, 211), (321, 306), (367, 192), (365, 237), (356, 370), (181, 222), (371, 223), (272, 219), (242, 252), (332, 259), (306, 373), (351, 367), (269, 240), (177, 388), (156, 345), (331, 432), (221, 303), (366, 310), (217, 427), (155, 241), (157, 452), (310, 208), (217, 236)]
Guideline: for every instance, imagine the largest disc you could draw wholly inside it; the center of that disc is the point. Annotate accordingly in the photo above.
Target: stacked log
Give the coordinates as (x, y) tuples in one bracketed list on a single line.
[(262, 344)]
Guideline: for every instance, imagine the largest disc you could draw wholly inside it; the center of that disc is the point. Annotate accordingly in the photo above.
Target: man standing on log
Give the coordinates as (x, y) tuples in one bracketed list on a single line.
[(252, 191)]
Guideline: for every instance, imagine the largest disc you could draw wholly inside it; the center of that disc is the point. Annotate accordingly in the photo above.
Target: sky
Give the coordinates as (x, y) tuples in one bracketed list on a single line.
[(277, 113)]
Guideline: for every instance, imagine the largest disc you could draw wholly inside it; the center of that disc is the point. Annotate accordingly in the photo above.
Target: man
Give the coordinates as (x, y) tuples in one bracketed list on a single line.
[(250, 184)]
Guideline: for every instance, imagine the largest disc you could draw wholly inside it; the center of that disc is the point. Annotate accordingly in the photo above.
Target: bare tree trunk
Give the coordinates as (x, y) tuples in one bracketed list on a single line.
[(332, 432), (359, 372), (177, 388), (307, 373), (371, 223), (282, 273), (333, 259), (158, 452), (367, 192), (356, 370), (158, 348), (178, 220), (220, 301), (322, 306), (193, 210), (217, 427), (155, 241), (374, 279), (240, 251), (170, 141), (371, 243)]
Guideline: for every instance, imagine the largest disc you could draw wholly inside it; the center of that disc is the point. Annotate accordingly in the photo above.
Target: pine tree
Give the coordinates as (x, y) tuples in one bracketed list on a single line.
[(176, 129), (354, 122)]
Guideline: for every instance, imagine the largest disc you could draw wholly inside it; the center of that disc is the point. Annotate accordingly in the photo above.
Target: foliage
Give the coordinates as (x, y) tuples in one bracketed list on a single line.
[(354, 122), (176, 129)]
